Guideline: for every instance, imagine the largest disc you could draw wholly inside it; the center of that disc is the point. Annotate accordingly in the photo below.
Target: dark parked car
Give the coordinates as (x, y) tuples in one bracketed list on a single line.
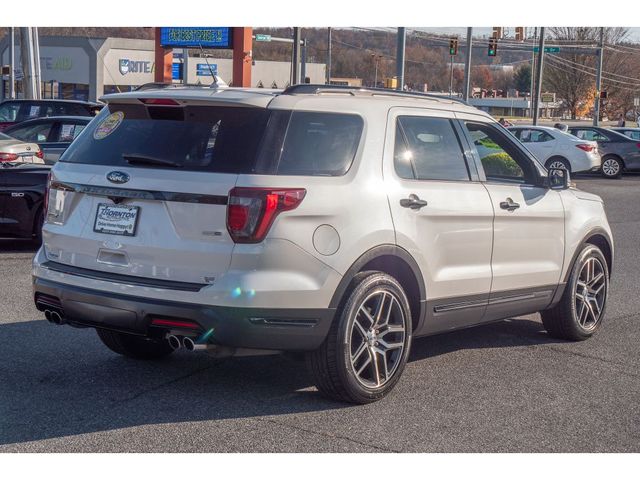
[(631, 132), (618, 151), (16, 111), (52, 134), (22, 191)]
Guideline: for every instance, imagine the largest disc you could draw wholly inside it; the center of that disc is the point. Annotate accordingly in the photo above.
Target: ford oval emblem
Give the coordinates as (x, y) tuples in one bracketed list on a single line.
[(118, 177)]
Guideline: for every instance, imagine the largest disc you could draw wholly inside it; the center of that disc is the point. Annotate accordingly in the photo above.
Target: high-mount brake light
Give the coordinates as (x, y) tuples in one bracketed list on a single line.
[(160, 101), (251, 211)]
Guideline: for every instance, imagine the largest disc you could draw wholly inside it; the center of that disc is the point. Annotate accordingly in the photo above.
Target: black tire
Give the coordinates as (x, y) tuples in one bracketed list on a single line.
[(332, 366), (565, 163), (564, 320), (134, 346), (612, 167), (37, 227)]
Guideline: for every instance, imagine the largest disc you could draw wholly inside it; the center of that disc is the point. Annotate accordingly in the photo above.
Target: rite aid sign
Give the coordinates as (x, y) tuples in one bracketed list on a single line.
[(126, 65)]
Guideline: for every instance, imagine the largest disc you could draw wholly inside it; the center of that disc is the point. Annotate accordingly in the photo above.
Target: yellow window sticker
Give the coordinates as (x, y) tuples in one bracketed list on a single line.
[(108, 125)]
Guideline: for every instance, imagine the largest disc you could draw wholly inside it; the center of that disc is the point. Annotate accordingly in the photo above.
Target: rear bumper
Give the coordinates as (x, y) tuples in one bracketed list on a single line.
[(259, 328)]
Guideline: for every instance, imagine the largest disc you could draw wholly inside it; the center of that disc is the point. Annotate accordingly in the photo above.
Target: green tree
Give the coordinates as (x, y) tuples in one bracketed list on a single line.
[(522, 78)]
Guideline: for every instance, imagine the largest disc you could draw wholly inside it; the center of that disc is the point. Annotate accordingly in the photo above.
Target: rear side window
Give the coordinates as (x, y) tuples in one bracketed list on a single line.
[(319, 144), (32, 133), (196, 138), (428, 148), (9, 111), (591, 135), (534, 136), (67, 132)]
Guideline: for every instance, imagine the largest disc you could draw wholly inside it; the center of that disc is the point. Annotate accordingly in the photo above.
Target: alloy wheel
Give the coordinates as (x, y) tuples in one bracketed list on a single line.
[(590, 293), (377, 338), (557, 164), (611, 167)]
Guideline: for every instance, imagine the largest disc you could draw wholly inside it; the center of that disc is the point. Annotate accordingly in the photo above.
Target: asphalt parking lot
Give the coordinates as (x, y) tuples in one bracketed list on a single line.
[(504, 387)]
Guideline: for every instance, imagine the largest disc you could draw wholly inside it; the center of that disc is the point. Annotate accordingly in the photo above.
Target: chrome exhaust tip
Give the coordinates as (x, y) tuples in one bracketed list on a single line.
[(56, 317), (174, 342), (188, 344)]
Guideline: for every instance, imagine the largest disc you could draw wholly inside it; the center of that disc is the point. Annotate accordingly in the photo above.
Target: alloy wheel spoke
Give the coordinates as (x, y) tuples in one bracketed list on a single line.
[(390, 345), (361, 330), (366, 363), (366, 313), (376, 367), (379, 309), (596, 279), (359, 351)]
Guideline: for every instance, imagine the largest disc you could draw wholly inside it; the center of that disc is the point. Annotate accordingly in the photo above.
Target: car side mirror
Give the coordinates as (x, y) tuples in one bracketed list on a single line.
[(558, 179)]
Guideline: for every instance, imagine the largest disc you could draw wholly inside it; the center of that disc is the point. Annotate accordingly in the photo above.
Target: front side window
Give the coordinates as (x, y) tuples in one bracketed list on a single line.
[(427, 148), (501, 159)]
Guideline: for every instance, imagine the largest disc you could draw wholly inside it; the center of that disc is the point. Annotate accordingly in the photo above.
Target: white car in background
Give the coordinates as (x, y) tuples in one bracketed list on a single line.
[(13, 150), (557, 149)]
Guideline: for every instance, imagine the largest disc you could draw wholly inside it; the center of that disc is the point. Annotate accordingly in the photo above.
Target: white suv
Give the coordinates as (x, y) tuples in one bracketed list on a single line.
[(337, 223)]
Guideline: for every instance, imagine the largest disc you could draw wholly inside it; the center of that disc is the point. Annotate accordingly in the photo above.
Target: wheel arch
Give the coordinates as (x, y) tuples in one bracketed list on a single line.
[(601, 239), (396, 262)]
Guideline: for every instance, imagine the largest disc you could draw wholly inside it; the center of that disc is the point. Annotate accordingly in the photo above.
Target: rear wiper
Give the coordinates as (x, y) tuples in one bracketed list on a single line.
[(145, 160)]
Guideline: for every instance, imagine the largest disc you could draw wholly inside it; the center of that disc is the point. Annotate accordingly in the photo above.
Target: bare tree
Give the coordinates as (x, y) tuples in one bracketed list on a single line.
[(572, 75)]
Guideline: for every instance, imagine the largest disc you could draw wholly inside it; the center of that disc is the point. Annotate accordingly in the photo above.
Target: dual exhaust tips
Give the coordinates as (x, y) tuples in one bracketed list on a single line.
[(54, 317), (184, 342)]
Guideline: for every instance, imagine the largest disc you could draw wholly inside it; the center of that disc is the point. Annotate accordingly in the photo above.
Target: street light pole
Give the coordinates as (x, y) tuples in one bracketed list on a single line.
[(12, 61), (536, 109), (451, 77), (596, 110)]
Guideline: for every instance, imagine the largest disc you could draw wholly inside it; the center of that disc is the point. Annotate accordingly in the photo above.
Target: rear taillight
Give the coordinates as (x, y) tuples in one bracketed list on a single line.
[(251, 211), (8, 157), (39, 154), (586, 147)]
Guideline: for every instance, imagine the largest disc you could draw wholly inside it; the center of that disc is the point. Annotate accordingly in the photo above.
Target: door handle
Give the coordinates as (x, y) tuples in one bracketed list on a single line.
[(413, 202), (509, 204)]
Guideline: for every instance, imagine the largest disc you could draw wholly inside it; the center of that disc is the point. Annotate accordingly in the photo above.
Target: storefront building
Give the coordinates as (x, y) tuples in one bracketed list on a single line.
[(86, 68)]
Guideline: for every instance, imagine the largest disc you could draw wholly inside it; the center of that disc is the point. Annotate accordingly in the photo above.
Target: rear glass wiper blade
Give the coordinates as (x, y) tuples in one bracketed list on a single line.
[(145, 160)]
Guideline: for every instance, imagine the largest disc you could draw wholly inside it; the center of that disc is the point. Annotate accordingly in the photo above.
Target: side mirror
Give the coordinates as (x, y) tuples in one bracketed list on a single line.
[(558, 179)]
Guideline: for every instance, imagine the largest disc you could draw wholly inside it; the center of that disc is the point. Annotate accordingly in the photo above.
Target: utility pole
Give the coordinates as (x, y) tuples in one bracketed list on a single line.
[(451, 77), (328, 55), (467, 65), (303, 63), (533, 68), (295, 70), (402, 40), (536, 109), (31, 90), (596, 110), (12, 61), (36, 62)]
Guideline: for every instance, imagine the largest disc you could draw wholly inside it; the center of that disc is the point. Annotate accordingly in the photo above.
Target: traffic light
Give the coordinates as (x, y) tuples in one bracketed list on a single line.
[(453, 46), (603, 94), (520, 34), (493, 47)]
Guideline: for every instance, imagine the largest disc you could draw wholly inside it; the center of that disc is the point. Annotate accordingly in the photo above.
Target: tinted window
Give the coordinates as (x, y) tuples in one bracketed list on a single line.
[(587, 134), (9, 111), (31, 133), (427, 148), (635, 134), (501, 159), (201, 138), (73, 109), (68, 132), (319, 144), (534, 136)]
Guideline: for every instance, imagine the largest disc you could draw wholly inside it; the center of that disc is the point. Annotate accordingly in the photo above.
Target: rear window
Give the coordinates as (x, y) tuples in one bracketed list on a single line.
[(219, 139), (200, 138)]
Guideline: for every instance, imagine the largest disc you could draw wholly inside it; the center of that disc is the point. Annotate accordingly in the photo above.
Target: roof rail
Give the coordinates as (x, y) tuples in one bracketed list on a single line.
[(314, 89)]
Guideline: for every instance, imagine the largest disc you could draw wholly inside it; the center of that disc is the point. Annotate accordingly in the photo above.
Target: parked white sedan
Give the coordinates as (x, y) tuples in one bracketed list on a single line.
[(13, 150), (557, 149)]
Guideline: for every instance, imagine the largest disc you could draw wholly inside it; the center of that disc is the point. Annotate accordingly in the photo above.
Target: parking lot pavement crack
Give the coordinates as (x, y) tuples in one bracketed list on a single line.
[(161, 385), (327, 435)]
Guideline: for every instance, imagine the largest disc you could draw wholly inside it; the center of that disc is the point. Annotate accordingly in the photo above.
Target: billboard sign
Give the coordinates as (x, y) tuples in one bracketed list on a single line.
[(196, 37), (204, 70)]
